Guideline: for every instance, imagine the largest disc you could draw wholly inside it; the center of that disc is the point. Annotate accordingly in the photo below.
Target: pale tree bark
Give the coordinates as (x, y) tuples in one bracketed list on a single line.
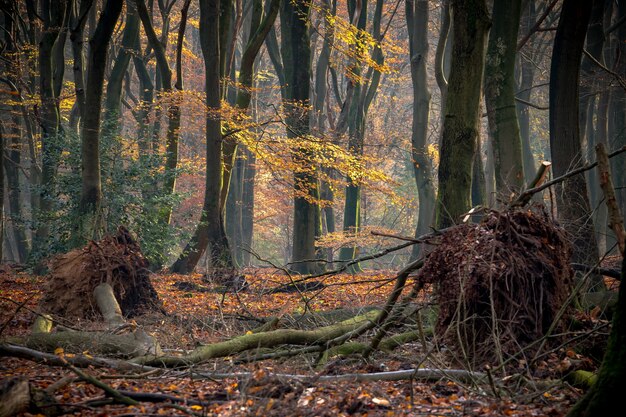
[(617, 106), (571, 195), (417, 23), (460, 129), (500, 97), (210, 232)]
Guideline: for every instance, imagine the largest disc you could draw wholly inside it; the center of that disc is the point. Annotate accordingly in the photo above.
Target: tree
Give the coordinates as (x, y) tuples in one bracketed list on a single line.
[(52, 13), (500, 96), (571, 195), (460, 129), (605, 395), (210, 232), (417, 23), (296, 57), (91, 191)]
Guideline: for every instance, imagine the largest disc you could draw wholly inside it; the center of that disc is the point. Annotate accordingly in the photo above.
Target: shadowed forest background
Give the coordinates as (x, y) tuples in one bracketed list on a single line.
[(450, 176)]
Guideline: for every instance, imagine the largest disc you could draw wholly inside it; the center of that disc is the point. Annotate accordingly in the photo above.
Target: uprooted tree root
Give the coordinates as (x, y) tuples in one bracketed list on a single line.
[(116, 260), (499, 283)]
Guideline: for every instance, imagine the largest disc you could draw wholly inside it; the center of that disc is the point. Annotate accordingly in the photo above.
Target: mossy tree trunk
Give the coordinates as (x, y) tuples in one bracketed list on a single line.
[(500, 96), (460, 127)]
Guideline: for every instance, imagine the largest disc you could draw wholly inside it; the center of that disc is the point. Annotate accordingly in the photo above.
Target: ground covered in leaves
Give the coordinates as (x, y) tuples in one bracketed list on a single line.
[(196, 317)]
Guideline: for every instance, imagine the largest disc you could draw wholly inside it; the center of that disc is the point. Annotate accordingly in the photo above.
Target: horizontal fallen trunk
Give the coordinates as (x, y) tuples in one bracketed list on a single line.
[(129, 345), (405, 374), (261, 340)]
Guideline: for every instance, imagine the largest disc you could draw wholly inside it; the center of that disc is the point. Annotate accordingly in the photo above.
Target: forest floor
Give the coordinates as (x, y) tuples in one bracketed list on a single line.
[(203, 317)]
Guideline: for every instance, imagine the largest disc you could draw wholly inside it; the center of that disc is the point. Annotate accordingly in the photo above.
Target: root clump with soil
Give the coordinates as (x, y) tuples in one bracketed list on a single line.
[(499, 283), (116, 260)]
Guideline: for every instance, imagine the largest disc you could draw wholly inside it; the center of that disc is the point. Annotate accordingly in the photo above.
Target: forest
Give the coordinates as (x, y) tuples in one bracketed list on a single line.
[(312, 207)]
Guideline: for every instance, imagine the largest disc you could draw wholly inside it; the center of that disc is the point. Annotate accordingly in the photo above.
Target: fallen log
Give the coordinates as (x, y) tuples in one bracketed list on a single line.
[(128, 345), (269, 339)]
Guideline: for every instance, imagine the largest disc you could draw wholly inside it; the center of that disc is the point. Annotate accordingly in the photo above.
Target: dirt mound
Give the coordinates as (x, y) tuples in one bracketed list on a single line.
[(116, 260), (499, 283)]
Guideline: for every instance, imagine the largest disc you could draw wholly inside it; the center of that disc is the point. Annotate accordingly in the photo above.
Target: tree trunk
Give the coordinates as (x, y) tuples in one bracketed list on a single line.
[(210, 231), (500, 97), (91, 191), (53, 12), (111, 126), (417, 22), (296, 57), (460, 129), (527, 70), (605, 396), (77, 34), (617, 109), (571, 195)]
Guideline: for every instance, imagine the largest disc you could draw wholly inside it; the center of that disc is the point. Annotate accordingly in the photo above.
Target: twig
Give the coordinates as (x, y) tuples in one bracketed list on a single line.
[(97, 383), (17, 310), (532, 191)]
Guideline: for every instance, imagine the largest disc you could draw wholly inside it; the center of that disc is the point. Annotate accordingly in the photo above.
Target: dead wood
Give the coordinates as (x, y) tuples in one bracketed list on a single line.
[(116, 260), (499, 283), (17, 396), (127, 345), (274, 338)]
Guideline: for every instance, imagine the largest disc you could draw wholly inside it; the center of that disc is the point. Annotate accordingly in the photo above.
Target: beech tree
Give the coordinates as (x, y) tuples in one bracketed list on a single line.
[(500, 96), (91, 192), (210, 234), (417, 24), (296, 62), (571, 196), (470, 24)]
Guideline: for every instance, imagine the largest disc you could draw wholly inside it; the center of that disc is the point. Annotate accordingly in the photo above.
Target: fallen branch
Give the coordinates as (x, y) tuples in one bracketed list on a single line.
[(116, 395), (261, 340)]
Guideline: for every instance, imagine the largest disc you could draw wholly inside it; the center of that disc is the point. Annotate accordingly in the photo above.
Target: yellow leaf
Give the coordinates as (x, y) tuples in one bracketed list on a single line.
[(196, 407), (59, 351)]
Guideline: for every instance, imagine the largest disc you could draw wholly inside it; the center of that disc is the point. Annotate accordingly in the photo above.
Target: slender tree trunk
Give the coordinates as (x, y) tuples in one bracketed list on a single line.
[(52, 12), (588, 109), (112, 107), (617, 109), (527, 70), (210, 231), (77, 35), (417, 22), (91, 190), (500, 96), (296, 57), (460, 129), (247, 205), (571, 195)]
